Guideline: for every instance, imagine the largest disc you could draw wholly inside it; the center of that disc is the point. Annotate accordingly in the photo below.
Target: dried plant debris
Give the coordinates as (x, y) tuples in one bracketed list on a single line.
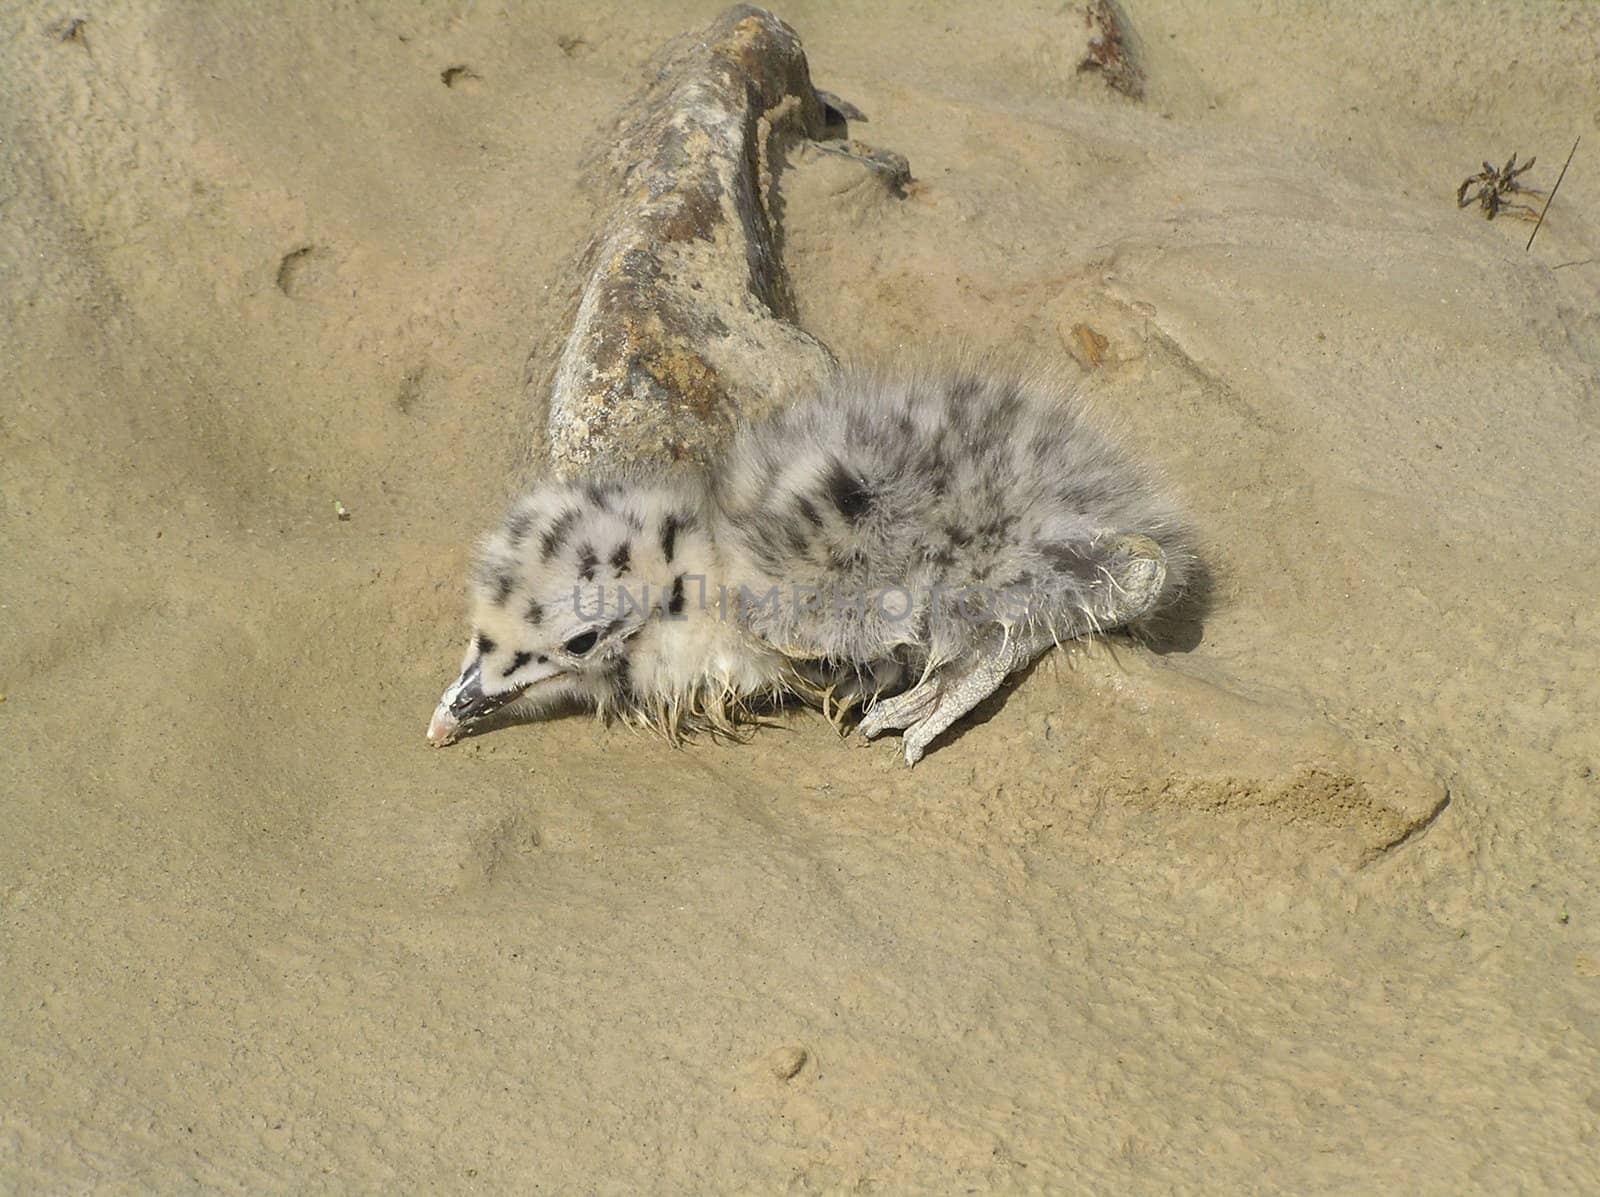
[(1113, 50), (1495, 187), (1549, 199), (893, 168)]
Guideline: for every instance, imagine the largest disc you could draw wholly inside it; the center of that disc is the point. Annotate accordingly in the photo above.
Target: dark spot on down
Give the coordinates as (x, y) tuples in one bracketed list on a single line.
[(675, 602), (556, 536), (484, 644), (807, 509), (961, 402), (535, 613), (1068, 560), (621, 557), (1009, 403), (964, 389), (799, 542), (996, 529), (670, 527), (587, 560), (502, 588), (517, 662), (848, 492), (517, 528)]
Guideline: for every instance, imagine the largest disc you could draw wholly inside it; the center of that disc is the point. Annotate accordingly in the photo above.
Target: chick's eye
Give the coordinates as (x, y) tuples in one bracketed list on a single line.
[(582, 642)]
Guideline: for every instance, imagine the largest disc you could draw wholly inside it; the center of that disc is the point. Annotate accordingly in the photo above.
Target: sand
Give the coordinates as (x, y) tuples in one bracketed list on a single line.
[(1301, 902)]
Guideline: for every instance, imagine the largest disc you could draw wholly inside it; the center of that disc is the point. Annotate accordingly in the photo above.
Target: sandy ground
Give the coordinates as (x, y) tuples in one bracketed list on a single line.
[(1176, 921)]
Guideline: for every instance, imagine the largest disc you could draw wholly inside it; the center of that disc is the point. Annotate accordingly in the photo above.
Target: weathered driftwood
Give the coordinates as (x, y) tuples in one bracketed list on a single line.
[(1112, 50), (686, 323)]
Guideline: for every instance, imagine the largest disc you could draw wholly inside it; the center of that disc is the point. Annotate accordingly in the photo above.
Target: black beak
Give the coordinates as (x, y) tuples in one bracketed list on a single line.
[(464, 703)]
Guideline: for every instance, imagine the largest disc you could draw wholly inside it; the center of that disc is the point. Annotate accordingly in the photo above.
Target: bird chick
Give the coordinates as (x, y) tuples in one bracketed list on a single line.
[(896, 544)]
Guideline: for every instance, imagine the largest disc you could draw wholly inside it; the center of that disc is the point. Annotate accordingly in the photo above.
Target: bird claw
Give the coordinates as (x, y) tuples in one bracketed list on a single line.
[(900, 712), (916, 712)]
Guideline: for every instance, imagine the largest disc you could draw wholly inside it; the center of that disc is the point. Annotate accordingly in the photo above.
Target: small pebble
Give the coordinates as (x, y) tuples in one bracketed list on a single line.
[(787, 1062)]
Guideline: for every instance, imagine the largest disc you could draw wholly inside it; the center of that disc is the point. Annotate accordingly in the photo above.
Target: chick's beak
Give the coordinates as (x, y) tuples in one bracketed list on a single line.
[(463, 704)]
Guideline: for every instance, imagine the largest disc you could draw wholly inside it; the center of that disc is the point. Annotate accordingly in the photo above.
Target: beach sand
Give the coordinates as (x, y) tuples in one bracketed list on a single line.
[(1303, 900)]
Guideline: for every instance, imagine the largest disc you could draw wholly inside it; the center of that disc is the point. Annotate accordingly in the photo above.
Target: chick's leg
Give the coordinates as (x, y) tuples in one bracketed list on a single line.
[(963, 685), (1123, 577)]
